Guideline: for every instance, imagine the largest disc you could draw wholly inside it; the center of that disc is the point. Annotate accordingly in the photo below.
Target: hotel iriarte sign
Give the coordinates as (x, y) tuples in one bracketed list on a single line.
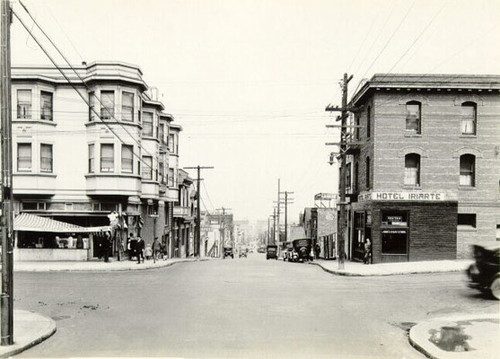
[(402, 196)]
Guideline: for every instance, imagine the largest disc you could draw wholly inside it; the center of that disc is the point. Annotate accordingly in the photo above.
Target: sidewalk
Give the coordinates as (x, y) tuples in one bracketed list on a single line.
[(95, 265), (360, 269), (463, 336), (29, 329)]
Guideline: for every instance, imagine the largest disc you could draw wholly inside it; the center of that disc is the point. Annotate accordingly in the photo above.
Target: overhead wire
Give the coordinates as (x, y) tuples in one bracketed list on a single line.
[(81, 79)]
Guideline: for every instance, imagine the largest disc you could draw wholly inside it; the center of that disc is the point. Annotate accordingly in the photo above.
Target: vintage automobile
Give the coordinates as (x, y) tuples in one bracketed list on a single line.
[(303, 249), (228, 252), (243, 252), (287, 252), (484, 273), (272, 252)]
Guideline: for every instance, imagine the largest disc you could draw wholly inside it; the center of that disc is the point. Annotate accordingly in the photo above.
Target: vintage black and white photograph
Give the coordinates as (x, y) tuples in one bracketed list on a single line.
[(250, 179)]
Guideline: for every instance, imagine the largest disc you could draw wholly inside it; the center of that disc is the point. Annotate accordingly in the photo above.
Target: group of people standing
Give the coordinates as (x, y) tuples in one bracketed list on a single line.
[(137, 248)]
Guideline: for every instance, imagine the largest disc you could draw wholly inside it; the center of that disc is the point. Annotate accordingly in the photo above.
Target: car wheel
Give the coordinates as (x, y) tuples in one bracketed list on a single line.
[(495, 288)]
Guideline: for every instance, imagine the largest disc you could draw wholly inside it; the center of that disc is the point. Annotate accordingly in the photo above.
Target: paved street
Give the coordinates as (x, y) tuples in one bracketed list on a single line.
[(238, 308)]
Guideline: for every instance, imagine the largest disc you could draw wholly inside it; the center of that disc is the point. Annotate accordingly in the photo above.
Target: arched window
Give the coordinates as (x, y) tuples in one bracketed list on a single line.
[(467, 170), (367, 164), (413, 117), (412, 169), (468, 113), (368, 121)]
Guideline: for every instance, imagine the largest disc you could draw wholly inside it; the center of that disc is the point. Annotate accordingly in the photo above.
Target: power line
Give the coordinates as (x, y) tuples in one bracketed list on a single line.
[(72, 84), (83, 82), (390, 38)]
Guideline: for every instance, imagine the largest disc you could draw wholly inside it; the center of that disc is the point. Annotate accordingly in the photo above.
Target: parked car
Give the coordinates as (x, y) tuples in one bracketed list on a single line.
[(484, 273), (303, 249), (228, 252), (272, 252)]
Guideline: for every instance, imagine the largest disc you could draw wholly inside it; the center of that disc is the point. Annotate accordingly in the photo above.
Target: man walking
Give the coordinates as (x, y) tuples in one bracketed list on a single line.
[(156, 247), (140, 250)]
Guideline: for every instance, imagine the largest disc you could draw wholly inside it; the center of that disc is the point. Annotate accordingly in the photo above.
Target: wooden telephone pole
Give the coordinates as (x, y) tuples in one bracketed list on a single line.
[(7, 296), (342, 230), (197, 238)]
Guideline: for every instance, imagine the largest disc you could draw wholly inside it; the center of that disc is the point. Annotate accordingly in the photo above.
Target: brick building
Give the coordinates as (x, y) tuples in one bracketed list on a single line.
[(423, 166)]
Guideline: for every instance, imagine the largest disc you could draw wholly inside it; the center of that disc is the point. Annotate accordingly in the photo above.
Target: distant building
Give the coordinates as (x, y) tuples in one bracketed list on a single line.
[(320, 224), (424, 168)]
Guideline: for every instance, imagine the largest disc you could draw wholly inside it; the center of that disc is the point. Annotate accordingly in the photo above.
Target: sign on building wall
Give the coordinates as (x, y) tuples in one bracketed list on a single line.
[(402, 196)]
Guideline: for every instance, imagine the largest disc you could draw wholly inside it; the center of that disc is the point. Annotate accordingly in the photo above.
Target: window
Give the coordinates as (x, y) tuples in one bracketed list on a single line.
[(127, 159), (394, 241), (46, 158), (468, 118), (147, 124), (395, 232), (23, 103), (467, 170), (91, 158), (127, 106), (46, 106), (171, 139), (147, 167), (367, 180), (413, 116), (161, 133), (161, 170), (467, 220), (412, 170), (368, 121), (356, 176), (24, 157), (348, 175), (107, 105), (107, 158), (356, 129), (91, 106), (171, 182)]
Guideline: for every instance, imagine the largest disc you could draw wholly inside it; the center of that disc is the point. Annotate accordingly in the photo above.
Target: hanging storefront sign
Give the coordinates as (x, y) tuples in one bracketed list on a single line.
[(402, 196)]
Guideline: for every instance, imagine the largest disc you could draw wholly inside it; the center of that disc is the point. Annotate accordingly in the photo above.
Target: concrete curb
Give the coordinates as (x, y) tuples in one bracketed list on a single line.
[(31, 335), (484, 343), (101, 266), (372, 271)]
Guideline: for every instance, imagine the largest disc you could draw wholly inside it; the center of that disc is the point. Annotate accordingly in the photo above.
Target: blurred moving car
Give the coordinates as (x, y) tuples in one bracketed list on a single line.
[(228, 252), (484, 273), (272, 252)]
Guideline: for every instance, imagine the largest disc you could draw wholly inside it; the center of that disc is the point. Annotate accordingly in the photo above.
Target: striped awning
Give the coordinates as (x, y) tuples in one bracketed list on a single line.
[(33, 223)]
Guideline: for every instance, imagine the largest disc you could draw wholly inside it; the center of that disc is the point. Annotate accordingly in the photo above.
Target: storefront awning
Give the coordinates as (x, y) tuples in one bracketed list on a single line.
[(33, 223)]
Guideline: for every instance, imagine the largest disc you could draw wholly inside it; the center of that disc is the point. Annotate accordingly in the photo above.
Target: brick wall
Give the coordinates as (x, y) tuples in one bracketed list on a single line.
[(432, 230)]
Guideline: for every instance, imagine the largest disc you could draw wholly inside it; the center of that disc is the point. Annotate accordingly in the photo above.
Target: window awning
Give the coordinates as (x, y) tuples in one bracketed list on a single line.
[(33, 223)]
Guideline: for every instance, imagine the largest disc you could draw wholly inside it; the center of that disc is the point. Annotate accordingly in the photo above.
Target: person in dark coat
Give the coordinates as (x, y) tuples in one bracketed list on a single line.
[(140, 250), (368, 251)]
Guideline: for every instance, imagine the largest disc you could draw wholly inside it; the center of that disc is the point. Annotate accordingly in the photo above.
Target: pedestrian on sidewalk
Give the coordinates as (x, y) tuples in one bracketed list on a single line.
[(368, 251), (156, 249), (139, 247)]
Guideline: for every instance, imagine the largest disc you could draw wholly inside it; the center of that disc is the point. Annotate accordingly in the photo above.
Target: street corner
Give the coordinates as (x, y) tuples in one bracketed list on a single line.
[(30, 329), (472, 336)]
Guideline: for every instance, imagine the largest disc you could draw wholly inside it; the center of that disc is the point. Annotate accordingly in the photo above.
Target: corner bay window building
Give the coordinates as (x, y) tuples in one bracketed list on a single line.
[(423, 166), (77, 161)]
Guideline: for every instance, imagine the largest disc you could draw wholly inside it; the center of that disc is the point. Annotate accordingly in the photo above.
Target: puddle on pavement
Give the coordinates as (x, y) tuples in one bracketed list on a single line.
[(451, 339)]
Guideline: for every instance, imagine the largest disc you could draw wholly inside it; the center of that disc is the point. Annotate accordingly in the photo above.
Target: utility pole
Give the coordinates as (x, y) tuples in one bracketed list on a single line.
[(287, 200), (342, 185), (7, 296), (222, 229), (278, 218), (197, 239)]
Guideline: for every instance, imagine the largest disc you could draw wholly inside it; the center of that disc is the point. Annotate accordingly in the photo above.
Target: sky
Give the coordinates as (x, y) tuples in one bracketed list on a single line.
[(249, 80)]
